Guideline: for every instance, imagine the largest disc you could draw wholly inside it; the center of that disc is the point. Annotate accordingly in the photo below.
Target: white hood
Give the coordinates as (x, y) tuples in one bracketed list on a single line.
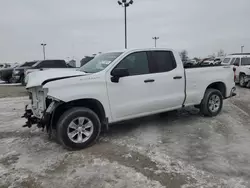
[(38, 77)]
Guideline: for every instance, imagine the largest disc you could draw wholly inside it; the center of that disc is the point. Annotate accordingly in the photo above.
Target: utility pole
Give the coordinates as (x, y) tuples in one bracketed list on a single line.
[(155, 38), (125, 4), (43, 45), (242, 49)]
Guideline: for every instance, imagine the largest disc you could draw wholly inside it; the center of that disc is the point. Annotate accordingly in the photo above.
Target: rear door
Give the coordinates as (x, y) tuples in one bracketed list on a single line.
[(168, 88)]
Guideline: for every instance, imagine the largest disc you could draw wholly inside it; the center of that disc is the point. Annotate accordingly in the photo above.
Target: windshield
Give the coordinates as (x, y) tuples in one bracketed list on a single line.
[(100, 62), (245, 61), (226, 60), (28, 64)]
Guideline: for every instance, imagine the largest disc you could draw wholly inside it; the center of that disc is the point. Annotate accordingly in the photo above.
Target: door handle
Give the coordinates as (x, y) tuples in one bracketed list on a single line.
[(177, 77), (149, 80)]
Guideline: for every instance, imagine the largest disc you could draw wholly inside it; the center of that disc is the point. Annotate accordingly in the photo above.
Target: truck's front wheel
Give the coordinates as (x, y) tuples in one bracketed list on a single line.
[(212, 102), (78, 127)]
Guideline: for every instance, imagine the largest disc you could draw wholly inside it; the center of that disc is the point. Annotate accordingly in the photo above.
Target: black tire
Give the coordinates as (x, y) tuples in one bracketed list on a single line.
[(205, 110), (242, 81), (68, 117), (10, 80), (198, 106)]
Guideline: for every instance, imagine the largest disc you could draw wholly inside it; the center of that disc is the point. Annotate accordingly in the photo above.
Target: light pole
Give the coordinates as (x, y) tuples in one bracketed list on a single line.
[(125, 4), (155, 38), (43, 44), (242, 48)]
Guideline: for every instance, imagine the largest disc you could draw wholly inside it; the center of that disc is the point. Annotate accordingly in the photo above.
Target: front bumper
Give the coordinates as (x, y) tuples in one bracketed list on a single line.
[(44, 121), (31, 119)]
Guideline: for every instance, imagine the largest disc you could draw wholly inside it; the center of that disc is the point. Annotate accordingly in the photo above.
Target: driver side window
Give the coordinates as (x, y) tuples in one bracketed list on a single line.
[(136, 63)]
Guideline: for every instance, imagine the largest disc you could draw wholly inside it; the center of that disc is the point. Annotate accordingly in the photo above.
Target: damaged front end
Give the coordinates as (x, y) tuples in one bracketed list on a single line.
[(31, 120), (40, 122), (40, 112)]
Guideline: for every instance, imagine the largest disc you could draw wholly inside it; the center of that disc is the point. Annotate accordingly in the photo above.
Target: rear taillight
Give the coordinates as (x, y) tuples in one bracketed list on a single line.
[(234, 69)]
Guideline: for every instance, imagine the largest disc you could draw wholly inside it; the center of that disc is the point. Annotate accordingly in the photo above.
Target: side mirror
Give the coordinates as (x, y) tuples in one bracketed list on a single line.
[(118, 73), (236, 64)]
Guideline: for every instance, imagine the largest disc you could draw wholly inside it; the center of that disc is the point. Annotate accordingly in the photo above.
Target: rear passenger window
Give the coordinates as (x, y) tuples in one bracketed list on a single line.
[(44, 64), (163, 61), (58, 64), (232, 62), (53, 64), (245, 61), (237, 61)]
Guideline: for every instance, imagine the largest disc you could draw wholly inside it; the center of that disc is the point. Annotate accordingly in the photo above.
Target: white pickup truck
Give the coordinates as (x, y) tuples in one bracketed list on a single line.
[(122, 85)]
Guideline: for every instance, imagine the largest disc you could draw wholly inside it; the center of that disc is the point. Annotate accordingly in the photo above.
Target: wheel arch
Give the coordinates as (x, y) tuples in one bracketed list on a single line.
[(93, 104), (242, 73), (221, 86)]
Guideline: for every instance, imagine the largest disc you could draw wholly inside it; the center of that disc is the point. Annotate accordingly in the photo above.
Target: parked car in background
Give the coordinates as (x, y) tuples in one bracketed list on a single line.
[(190, 62), (6, 74), (241, 64), (18, 72), (15, 72), (211, 61), (218, 60), (4, 65), (118, 86), (45, 65)]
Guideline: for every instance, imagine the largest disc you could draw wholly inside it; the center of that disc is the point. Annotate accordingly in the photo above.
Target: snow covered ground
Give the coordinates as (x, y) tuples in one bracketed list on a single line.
[(181, 149)]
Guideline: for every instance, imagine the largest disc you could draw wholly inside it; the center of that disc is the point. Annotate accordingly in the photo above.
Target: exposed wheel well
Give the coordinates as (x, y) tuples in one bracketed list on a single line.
[(92, 104), (241, 73), (219, 86)]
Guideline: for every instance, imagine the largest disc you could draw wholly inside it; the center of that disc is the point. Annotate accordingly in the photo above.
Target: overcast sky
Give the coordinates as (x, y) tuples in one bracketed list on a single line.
[(83, 27)]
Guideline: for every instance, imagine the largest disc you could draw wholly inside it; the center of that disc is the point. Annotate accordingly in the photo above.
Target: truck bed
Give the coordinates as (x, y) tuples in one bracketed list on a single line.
[(198, 78)]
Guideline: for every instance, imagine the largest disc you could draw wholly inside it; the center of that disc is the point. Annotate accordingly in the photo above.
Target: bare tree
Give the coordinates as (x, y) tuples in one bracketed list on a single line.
[(221, 53), (184, 56)]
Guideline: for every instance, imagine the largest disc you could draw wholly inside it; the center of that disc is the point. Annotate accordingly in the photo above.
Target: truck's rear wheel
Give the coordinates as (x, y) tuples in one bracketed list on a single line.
[(212, 102), (78, 127), (242, 80)]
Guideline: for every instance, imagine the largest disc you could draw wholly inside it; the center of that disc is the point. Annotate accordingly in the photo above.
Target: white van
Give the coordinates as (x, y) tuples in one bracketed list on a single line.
[(241, 63)]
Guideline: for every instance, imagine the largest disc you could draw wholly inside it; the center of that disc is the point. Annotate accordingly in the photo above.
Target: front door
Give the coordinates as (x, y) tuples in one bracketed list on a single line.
[(131, 95)]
